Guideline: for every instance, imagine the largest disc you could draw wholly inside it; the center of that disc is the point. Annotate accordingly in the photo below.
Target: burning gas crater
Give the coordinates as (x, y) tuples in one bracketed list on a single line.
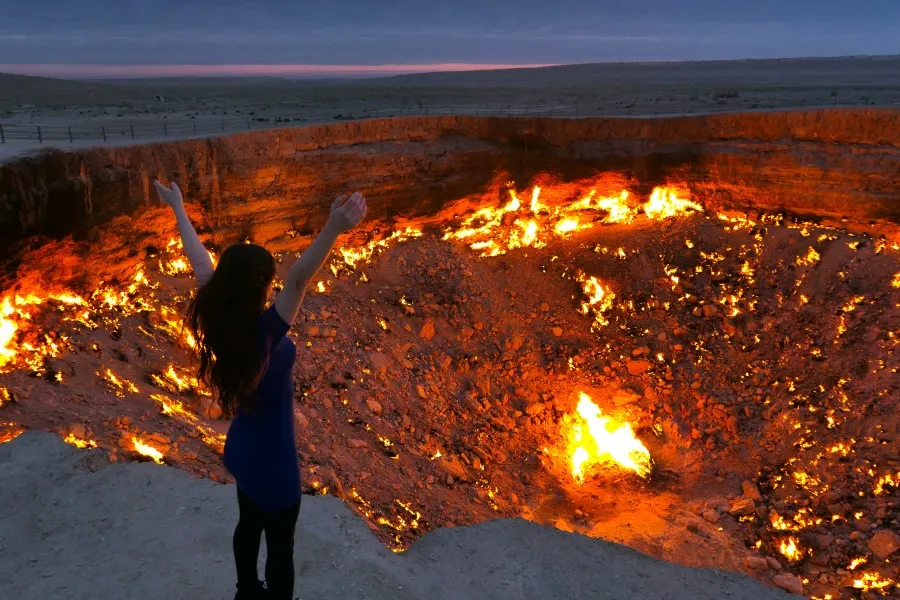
[(587, 358)]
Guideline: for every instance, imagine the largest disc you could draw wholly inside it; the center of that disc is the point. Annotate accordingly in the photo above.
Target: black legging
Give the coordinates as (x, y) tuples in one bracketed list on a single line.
[(279, 527)]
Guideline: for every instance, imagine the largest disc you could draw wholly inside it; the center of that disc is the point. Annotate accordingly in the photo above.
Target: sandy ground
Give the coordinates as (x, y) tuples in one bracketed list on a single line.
[(75, 526), (177, 108)]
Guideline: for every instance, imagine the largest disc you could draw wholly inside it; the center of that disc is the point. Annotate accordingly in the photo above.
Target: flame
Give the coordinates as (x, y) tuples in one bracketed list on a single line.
[(599, 299), (895, 282), (495, 231), (595, 439), (664, 203), (811, 258), (790, 549), (79, 443), (9, 432), (872, 581), (857, 562), (148, 451), (353, 256), (118, 385), (887, 479)]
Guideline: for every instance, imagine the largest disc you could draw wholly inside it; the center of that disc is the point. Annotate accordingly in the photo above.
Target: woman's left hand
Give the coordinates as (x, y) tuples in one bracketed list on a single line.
[(172, 196)]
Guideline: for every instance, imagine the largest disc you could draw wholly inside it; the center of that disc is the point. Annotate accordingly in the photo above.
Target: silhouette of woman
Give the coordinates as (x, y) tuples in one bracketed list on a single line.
[(246, 358)]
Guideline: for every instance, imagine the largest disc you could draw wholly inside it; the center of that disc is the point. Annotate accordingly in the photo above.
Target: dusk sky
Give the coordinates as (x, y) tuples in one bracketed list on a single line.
[(59, 37)]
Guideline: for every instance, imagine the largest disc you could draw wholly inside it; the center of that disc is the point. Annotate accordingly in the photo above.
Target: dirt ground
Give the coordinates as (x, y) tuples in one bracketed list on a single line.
[(755, 359)]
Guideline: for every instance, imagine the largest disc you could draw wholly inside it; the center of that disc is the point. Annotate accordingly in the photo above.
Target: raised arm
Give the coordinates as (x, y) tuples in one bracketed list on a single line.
[(193, 247), (346, 213)]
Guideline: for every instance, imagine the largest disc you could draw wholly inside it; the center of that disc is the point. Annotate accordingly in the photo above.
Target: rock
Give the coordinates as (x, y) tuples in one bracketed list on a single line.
[(742, 507), (757, 563), (78, 431), (884, 543), (637, 367), (773, 563), (301, 419), (454, 468), (821, 541), (557, 331), (534, 408), (789, 583), (623, 397), (357, 443), (751, 491), (709, 310), (421, 391), (516, 342), (311, 330), (427, 331), (711, 515), (374, 406), (379, 361)]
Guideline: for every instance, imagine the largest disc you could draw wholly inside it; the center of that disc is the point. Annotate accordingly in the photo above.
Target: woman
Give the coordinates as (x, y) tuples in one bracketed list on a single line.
[(246, 358)]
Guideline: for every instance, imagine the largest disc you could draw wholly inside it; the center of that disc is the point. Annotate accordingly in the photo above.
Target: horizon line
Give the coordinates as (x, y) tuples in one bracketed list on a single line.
[(299, 70)]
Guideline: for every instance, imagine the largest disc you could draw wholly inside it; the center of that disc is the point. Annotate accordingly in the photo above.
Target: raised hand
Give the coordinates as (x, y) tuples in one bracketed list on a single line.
[(171, 196), (346, 213)]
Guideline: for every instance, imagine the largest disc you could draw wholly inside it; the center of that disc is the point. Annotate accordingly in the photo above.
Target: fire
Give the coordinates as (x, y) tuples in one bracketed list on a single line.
[(353, 256), (148, 451), (596, 438), (890, 479), (599, 299), (895, 282), (790, 549), (495, 231), (78, 442), (664, 203), (9, 432), (118, 385), (872, 581)]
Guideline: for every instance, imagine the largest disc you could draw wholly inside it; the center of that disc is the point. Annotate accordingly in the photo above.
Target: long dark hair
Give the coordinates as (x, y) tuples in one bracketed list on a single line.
[(224, 316)]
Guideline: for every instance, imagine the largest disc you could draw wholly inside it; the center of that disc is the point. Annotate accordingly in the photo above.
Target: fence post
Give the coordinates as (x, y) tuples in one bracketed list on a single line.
[(70, 134), (476, 111), (194, 123), (2, 135), (132, 131), (40, 135), (223, 124), (248, 125), (103, 131), (165, 130)]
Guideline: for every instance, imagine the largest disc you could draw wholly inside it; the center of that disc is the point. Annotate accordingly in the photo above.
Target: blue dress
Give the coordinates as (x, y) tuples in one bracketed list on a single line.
[(260, 449)]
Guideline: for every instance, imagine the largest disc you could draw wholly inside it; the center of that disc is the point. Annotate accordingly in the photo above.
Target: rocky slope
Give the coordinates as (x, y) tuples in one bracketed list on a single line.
[(77, 527)]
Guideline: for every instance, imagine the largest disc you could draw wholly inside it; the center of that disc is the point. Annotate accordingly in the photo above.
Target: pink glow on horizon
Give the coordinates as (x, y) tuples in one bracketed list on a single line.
[(49, 70)]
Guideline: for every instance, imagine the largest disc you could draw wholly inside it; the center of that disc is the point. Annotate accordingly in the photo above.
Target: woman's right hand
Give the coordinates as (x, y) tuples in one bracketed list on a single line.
[(346, 213), (171, 196)]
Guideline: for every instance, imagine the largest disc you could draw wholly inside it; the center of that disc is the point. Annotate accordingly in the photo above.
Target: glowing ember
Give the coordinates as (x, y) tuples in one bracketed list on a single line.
[(896, 280), (597, 439), (78, 442), (664, 203), (148, 451)]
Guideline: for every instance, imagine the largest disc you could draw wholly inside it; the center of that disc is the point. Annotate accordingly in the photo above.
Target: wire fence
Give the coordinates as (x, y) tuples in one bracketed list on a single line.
[(206, 127)]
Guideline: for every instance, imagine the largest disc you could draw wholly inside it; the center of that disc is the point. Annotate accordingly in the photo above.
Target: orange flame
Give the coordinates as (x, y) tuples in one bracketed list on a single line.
[(596, 439), (146, 450)]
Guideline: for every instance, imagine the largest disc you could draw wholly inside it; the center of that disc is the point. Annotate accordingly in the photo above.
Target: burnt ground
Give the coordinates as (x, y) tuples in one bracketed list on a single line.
[(434, 388)]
